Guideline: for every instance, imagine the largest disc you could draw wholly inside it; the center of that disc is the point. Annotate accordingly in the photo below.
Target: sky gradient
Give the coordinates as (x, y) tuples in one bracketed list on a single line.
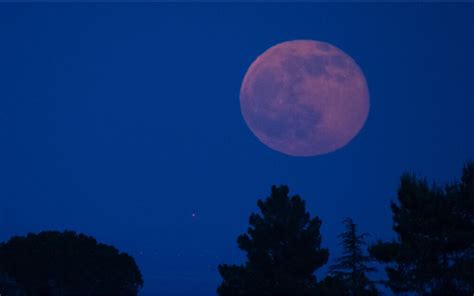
[(123, 121)]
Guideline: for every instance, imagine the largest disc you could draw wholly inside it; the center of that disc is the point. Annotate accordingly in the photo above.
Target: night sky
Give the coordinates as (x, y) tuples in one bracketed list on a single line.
[(123, 122)]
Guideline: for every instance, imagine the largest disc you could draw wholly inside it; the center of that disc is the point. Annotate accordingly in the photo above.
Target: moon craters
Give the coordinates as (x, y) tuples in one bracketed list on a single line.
[(304, 98)]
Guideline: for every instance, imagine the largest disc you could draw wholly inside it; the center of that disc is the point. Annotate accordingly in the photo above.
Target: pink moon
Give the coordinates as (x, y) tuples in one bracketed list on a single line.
[(304, 98)]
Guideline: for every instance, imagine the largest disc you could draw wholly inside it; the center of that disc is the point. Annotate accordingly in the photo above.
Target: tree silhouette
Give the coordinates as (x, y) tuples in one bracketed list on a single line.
[(349, 273), (283, 250), (66, 263), (434, 251)]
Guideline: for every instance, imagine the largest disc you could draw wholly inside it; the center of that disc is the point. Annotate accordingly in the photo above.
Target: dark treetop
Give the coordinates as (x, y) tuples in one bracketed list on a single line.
[(348, 276), (66, 263), (434, 251), (283, 250)]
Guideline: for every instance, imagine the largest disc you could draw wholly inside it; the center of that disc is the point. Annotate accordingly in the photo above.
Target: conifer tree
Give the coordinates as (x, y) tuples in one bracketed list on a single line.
[(352, 267), (283, 250), (434, 250)]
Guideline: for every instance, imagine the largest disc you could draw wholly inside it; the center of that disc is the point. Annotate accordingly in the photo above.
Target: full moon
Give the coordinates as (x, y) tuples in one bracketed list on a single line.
[(304, 98)]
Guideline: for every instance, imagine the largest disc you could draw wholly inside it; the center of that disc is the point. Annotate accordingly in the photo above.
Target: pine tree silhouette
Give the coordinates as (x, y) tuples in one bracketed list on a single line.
[(352, 267), (283, 250), (434, 251)]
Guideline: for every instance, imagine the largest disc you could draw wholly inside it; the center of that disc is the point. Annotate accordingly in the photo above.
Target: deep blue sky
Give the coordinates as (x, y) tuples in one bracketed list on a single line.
[(120, 121)]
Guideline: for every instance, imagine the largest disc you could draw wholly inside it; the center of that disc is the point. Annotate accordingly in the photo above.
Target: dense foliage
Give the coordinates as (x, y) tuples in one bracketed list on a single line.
[(66, 263), (434, 251), (283, 250)]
